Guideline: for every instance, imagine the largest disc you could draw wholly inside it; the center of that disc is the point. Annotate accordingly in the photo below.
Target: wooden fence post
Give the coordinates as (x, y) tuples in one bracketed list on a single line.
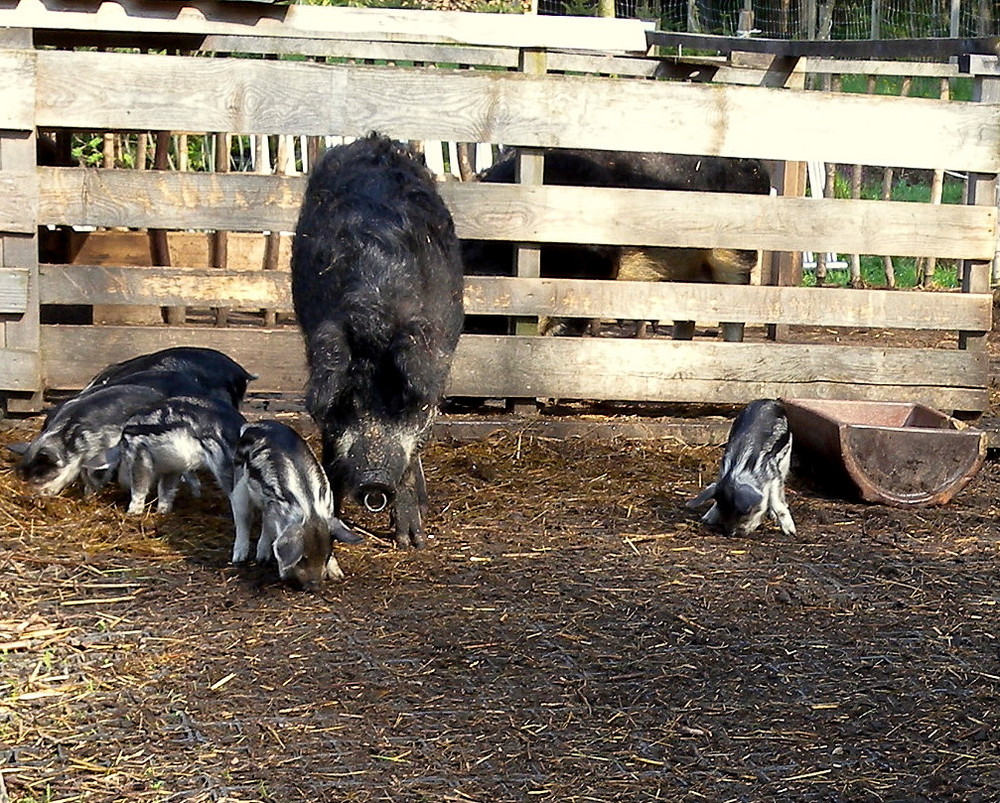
[(982, 191), (784, 268), (20, 335), (529, 169)]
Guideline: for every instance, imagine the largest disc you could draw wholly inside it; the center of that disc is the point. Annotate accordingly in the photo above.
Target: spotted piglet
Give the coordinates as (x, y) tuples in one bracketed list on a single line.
[(278, 477), (173, 440), (752, 476)]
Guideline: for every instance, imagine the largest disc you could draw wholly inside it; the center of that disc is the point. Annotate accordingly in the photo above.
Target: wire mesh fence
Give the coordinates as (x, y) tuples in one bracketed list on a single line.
[(799, 19)]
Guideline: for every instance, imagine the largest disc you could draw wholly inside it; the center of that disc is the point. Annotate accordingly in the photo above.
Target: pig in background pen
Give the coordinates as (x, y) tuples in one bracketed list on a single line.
[(629, 170)]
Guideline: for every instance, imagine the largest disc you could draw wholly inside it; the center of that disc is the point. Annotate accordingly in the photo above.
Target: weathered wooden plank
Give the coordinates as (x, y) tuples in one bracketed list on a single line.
[(590, 368), (837, 66), (169, 200), (205, 17), (97, 284), (879, 309), (247, 289), (923, 48), (18, 201), (14, 290), (19, 370), (253, 96), (644, 370), (17, 90), (71, 355), (242, 201), (360, 49), (19, 249)]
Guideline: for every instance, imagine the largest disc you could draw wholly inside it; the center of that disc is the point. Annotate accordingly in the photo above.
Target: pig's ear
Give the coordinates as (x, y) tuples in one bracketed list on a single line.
[(746, 499), (107, 459), (287, 551), (329, 354), (18, 448), (703, 497), (340, 532)]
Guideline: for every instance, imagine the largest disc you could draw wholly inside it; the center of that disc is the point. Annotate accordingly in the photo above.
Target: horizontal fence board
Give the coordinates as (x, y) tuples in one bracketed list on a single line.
[(72, 355), (804, 306), (18, 202), (167, 287), (169, 200), (130, 91), (836, 66), (588, 368), (13, 290), (205, 17), (916, 49), (19, 370), (235, 201), (247, 289), (17, 89), (357, 49), (648, 370)]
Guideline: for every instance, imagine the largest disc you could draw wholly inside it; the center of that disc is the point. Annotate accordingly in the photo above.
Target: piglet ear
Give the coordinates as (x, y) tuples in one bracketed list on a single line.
[(340, 532), (703, 497), (746, 499), (107, 459), (287, 551), (18, 448)]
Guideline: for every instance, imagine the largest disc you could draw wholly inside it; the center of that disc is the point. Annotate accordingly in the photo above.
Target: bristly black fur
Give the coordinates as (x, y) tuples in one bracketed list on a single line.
[(377, 288)]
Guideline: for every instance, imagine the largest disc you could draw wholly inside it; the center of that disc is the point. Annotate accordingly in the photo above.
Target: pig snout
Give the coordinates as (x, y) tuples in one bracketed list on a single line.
[(375, 496)]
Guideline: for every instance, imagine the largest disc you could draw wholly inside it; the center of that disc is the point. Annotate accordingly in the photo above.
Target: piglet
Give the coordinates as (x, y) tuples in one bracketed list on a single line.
[(752, 476), (77, 436), (278, 477), (210, 372), (172, 440)]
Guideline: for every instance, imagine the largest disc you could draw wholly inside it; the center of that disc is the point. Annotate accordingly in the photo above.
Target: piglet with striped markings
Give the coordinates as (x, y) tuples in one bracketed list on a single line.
[(174, 439), (752, 477), (278, 477)]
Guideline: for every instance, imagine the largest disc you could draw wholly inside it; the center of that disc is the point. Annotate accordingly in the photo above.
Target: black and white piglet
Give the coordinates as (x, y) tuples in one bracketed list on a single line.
[(278, 476), (77, 436), (196, 371), (172, 440), (752, 476)]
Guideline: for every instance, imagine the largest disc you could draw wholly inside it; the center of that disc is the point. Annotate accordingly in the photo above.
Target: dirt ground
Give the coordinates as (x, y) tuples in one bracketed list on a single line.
[(572, 634)]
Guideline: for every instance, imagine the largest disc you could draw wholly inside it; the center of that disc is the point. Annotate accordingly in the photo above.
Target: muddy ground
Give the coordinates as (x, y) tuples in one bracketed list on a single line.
[(571, 634)]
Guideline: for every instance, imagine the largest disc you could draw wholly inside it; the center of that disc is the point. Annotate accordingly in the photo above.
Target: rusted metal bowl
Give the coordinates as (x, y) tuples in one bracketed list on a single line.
[(895, 453)]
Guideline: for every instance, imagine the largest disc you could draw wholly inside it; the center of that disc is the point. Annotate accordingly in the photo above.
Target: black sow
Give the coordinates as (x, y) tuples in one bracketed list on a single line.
[(752, 476), (377, 287)]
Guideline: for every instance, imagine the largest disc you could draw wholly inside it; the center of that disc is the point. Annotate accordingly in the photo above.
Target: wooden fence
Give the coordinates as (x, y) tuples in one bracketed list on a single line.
[(446, 76)]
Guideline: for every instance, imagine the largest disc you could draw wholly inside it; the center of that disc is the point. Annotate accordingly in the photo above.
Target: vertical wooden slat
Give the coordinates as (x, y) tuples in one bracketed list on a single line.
[(529, 169), (159, 248), (273, 241), (220, 239), (928, 265), (17, 152)]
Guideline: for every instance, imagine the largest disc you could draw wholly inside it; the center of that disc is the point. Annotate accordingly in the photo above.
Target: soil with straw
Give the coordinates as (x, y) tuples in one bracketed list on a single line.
[(571, 634)]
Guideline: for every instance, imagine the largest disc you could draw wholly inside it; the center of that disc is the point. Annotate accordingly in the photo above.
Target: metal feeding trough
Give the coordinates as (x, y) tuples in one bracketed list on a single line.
[(896, 453)]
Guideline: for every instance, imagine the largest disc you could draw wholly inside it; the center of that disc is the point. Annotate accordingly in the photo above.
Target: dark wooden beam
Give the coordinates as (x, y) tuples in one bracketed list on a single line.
[(839, 48)]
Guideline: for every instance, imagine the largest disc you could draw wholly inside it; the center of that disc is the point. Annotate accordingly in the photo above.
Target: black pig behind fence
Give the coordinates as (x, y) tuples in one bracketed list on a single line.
[(377, 288), (650, 171)]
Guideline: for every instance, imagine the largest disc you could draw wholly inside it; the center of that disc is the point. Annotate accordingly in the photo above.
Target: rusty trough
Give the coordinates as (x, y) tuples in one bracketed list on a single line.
[(902, 454)]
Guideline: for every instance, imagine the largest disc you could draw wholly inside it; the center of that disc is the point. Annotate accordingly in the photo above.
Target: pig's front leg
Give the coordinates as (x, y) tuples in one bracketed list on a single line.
[(406, 512)]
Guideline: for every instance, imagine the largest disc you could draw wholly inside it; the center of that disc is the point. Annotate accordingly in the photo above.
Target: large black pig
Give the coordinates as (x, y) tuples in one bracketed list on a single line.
[(658, 171), (377, 287)]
